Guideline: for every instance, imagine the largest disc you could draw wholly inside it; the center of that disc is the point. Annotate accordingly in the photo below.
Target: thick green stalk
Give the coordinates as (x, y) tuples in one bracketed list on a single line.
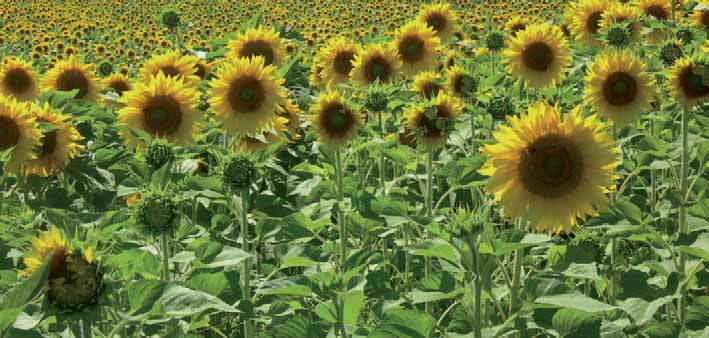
[(683, 229), (341, 208), (246, 272), (515, 301), (164, 245), (429, 214), (382, 171), (477, 291), (613, 285), (86, 331)]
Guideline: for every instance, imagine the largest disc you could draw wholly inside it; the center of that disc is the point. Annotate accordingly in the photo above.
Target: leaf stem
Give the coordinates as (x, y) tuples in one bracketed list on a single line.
[(429, 214), (341, 207), (683, 229), (164, 244)]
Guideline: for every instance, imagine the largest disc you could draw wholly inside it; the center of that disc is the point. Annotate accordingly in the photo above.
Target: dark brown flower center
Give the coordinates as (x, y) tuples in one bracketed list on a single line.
[(17, 80), (258, 48), (411, 49), (458, 84), (170, 70), (437, 21), (246, 95), (343, 62), (657, 11), (73, 79), (538, 56), (593, 22), (162, 115), (201, 70), (431, 127), (430, 90), (692, 84), (518, 27), (551, 166), (119, 86), (620, 88), (377, 68), (705, 18), (9, 132), (336, 119), (49, 143), (58, 265)]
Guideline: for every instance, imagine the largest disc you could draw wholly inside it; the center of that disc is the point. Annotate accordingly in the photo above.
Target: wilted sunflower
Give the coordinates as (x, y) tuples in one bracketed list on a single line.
[(685, 83), (334, 121), (417, 48), (261, 41), (619, 13), (164, 108), (549, 171), (431, 121), (57, 146), (246, 95), (538, 55), (441, 18), (337, 59), (118, 82), (18, 80), (18, 129), (71, 74), (171, 64), (618, 87), (427, 84), (586, 18), (376, 62), (74, 280)]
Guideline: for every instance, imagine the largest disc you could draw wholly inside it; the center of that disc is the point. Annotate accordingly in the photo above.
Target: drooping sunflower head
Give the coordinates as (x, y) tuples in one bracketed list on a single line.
[(19, 131), (538, 55), (622, 13), (334, 120), (427, 85), (118, 82), (441, 18), (18, 80), (59, 142), (431, 121), (171, 64), (337, 60), (417, 47), (376, 62), (165, 108), (246, 95), (618, 87), (261, 41), (74, 280), (586, 18), (687, 84), (550, 171), (72, 74)]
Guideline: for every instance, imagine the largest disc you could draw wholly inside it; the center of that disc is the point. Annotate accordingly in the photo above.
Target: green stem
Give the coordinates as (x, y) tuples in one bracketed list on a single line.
[(164, 239), (341, 208), (246, 268), (515, 301), (382, 178), (683, 229), (477, 292), (86, 331), (429, 214), (613, 285)]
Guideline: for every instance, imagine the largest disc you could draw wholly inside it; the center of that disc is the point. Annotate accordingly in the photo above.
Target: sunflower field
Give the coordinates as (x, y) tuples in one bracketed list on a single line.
[(359, 168)]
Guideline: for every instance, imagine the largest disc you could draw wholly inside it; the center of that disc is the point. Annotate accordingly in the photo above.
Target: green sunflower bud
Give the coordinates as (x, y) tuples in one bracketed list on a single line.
[(685, 35), (500, 106), (170, 19), (238, 173), (468, 85), (157, 213), (670, 52), (376, 100), (159, 153), (76, 284), (617, 36), (495, 41), (105, 68)]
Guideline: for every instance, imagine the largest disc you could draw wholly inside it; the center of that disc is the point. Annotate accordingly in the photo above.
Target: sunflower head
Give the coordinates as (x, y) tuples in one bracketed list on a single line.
[(549, 171), (538, 55), (670, 51), (157, 213), (72, 74), (18, 130), (58, 144), (334, 120), (625, 15), (261, 41), (118, 82), (586, 16), (337, 60), (517, 24), (239, 172), (427, 84), (461, 83), (105, 68), (441, 18), (687, 82), (377, 63), (432, 121), (171, 64), (417, 47), (18, 80)]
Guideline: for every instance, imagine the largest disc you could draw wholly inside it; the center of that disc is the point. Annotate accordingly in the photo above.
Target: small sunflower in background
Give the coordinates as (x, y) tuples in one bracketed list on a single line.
[(441, 18), (700, 16), (585, 20), (538, 55), (550, 171), (432, 121), (246, 96), (261, 41), (660, 10), (517, 24), (337, 60), (118, 82), (59, 142), (427, 85), (618, 86), (74, 280), (71, 74), (171, 64), (18, 130), (164, 108), (18, 80), (461, 83), (620, 13), (417, 48), (686, 82), (291, 112), (203, 69), (335, 121), (377, 62)]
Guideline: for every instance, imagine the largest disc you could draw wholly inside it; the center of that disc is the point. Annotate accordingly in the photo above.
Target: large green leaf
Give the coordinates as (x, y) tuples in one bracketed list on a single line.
[(16, 299), (143, 294), (181, 301), (405, 324), (573, 323), (575, 301)]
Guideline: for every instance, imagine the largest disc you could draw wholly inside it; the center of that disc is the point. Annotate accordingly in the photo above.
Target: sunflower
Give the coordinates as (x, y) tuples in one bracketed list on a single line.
[(58, 145), (427, 85), (620, 12), (700, 16), (246, 96), (291, 112), (334, 121), (164, 107), (417, 47), (685, 83), (538, 55), (431, 120), (441, 18), (171, 64), (18, 80), (660, 10), (586, 18), (618, 87), (376, 62), (516, 24), (550, 172), (18, 129), (118, 82), (203, 69), (261, 41), (249, 143), (74, 280), (336, 60), (454, 80), (71, 74)]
